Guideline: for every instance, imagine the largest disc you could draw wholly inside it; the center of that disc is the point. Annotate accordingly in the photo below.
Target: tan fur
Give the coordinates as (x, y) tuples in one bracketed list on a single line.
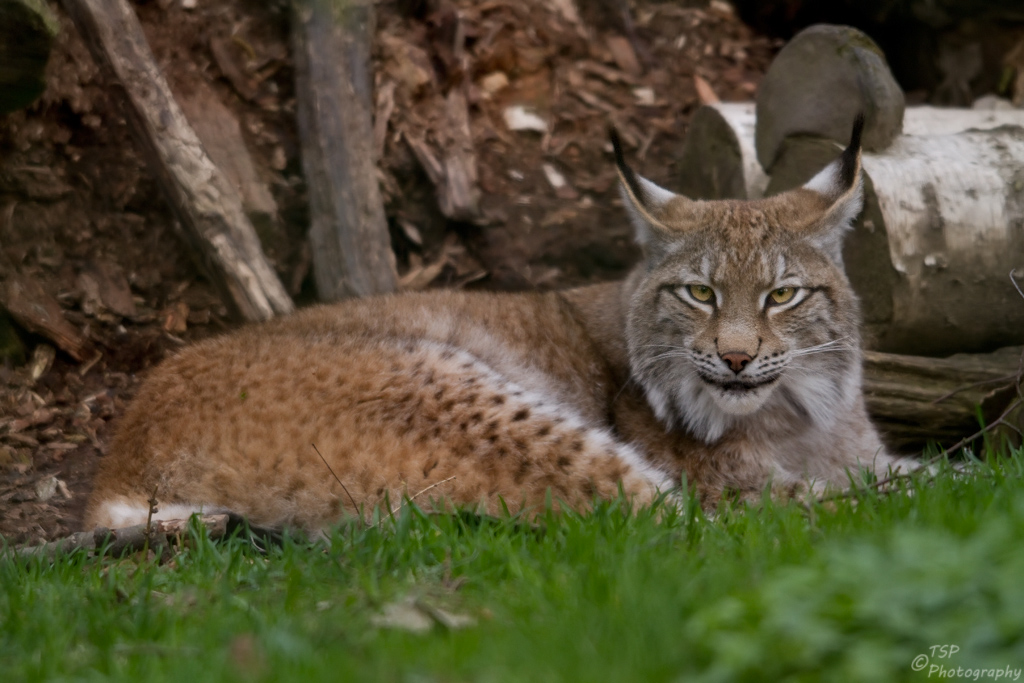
[(519, 399)]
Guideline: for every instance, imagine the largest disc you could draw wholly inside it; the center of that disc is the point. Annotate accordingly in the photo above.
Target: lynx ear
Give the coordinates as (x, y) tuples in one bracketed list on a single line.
[(655, 212), (840, 185)]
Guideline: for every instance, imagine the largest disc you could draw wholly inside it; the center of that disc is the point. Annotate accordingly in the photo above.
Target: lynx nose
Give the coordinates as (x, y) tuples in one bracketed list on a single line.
[(737, 360)]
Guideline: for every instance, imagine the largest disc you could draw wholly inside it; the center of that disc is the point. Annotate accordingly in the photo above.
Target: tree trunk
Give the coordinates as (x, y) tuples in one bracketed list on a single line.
[(352, 253), (204, 201), (718, 159)]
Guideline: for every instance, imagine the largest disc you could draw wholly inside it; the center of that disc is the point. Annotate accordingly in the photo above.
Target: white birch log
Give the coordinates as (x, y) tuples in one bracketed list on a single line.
[(941, 231), (943, 223)]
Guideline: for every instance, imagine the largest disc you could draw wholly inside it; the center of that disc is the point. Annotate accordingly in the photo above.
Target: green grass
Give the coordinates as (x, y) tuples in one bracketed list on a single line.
[(848, 592)]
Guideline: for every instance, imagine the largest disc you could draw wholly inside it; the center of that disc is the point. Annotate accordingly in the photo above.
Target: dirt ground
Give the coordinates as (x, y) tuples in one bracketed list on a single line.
[(82, 219)]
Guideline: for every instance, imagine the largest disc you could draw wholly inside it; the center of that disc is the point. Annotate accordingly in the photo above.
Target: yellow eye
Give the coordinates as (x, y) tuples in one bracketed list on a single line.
[(701, 293), (782, 294)]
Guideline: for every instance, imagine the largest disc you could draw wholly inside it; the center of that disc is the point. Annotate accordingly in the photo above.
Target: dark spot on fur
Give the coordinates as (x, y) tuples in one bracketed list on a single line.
[(436, 432), (521, 471), (576, 446), (502, 452), (493, 438), (471, 399), (492, 426), (498, 400), (520, 445), (429, 468), (463, 426), (544, 431), (589, 490), (521, 415), (563, 462), (477, 417), (439, 394), (448, 405)]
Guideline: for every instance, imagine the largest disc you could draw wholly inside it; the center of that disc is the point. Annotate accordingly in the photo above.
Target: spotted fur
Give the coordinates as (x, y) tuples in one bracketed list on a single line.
[(518, 400)]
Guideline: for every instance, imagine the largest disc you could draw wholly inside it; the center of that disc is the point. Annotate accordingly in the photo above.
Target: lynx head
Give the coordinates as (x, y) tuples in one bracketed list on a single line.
[(740, 313)]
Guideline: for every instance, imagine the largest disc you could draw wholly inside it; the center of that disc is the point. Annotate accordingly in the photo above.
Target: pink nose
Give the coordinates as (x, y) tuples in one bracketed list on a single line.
[(737, 360)]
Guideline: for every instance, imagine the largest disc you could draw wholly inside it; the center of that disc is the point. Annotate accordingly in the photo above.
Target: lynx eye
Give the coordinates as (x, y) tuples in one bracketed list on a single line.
[(701, 293), (782, 295)]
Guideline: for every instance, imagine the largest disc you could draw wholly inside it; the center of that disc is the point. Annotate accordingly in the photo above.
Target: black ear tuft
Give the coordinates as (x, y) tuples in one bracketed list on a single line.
[(849, 162), (627, 174)]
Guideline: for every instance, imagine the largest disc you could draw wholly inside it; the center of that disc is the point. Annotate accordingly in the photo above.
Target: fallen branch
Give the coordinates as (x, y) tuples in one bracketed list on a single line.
[(202, 198), (38, 312)]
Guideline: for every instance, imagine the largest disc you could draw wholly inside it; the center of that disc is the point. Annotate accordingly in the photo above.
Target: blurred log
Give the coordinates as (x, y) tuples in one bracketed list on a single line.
[(718, 160), (27, 31), (915, 400), (818, 83), (942, 228), (202, 198), (351, 246)]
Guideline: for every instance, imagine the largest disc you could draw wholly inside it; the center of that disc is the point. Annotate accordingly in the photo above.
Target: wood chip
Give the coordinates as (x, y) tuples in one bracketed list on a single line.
[(104, 287), (382, 116), (605, 73), (493, 83), (38, 312), (705, 92), (175, 317), (42, 361), (624, 55), (224, 53), (517, 118)]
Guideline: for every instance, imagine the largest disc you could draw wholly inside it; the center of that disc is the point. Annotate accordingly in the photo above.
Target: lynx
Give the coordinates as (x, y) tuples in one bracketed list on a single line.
[(729, 359)]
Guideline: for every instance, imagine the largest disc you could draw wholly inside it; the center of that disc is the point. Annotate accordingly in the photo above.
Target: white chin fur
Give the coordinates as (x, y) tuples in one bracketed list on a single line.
[(739, 403), (705, 410)]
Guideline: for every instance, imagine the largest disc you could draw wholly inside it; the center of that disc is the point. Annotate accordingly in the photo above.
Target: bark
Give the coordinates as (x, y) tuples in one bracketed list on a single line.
[(202, 198), (351, 246), (914, 400), (221, 134)]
